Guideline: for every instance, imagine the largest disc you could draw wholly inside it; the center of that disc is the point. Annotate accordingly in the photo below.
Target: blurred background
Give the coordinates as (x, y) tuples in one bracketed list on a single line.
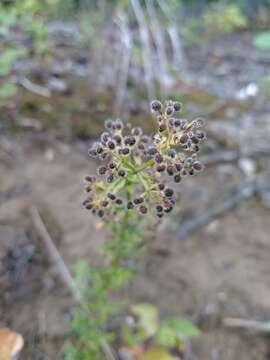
[(65, 67)]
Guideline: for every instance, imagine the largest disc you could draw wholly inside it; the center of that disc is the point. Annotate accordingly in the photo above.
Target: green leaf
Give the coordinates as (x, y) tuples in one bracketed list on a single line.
[(7, 91), (147, 318), (183, 329), (157, 353), (166, 336), (262, 40)]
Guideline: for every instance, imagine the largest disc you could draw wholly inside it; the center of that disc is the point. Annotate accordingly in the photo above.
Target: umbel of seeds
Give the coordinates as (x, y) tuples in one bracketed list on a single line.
[(138, 170)]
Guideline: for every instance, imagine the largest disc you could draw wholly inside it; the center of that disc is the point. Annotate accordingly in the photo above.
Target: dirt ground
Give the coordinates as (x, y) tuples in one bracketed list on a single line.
[(223, 270)]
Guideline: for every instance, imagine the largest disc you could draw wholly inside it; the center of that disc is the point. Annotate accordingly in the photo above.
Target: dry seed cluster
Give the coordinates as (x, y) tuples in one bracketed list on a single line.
[(146, 165)]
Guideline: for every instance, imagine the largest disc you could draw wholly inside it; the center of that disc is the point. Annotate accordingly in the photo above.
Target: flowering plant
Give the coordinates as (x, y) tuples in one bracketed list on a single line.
[(136, 179), (144, 165)]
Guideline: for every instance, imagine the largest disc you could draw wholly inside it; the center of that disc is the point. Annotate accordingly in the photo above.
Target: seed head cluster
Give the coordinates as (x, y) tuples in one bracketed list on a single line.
[(139, 169)]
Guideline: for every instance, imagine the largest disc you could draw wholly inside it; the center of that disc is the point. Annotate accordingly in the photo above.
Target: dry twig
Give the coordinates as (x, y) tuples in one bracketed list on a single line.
[(262, 327)]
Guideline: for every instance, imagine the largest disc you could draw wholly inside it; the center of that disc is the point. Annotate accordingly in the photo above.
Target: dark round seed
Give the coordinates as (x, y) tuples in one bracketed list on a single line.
[(177, 106), (119, 124), (170, 170), (159, 208), (125, 151), (161, 168), (100, 213), (169, 110), (111, 145), (121, 172), (197, 166), (159, 158), (177, 178), (152, 150), (195, 140), (119, 201), (162, 127), (177, 123), (143, 209), (102, 170), (183, 139), (111, 196), (117, 138), (138, 201), (112, 165), (168, 192), (156, 105), (108, 124), (89, 178), (105, 203), (130, 205), (171, 153), (178, 166), (104, 137), (137, 131), (110, 178), (161, 187)]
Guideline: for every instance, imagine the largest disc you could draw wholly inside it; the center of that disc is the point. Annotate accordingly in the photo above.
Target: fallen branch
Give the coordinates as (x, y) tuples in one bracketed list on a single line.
[(251, 325), (244, 192), (63, 270), (35, 88)]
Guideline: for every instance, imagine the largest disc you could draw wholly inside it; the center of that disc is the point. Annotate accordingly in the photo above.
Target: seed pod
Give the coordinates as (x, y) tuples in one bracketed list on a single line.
[(125, 151), (177, 123), (162, 127), (161, 186), (108, 124), (130, 205), (169, 110), (104, 137), (159, 158), (177, 106), (111, 196), (183, 139), (111, 144), (178, 166), (112, 165), (152, 150), (143, 209), (121, 172), (117, 138), (110, 178), (197, 166), (100, 213), (119, 124), (137, 131), (159, 208), (105, 203), (170, 170), (156, 105), (168, 192), (138, 201), (102, 170), (161, 168), (177, 178), (171, 153)]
